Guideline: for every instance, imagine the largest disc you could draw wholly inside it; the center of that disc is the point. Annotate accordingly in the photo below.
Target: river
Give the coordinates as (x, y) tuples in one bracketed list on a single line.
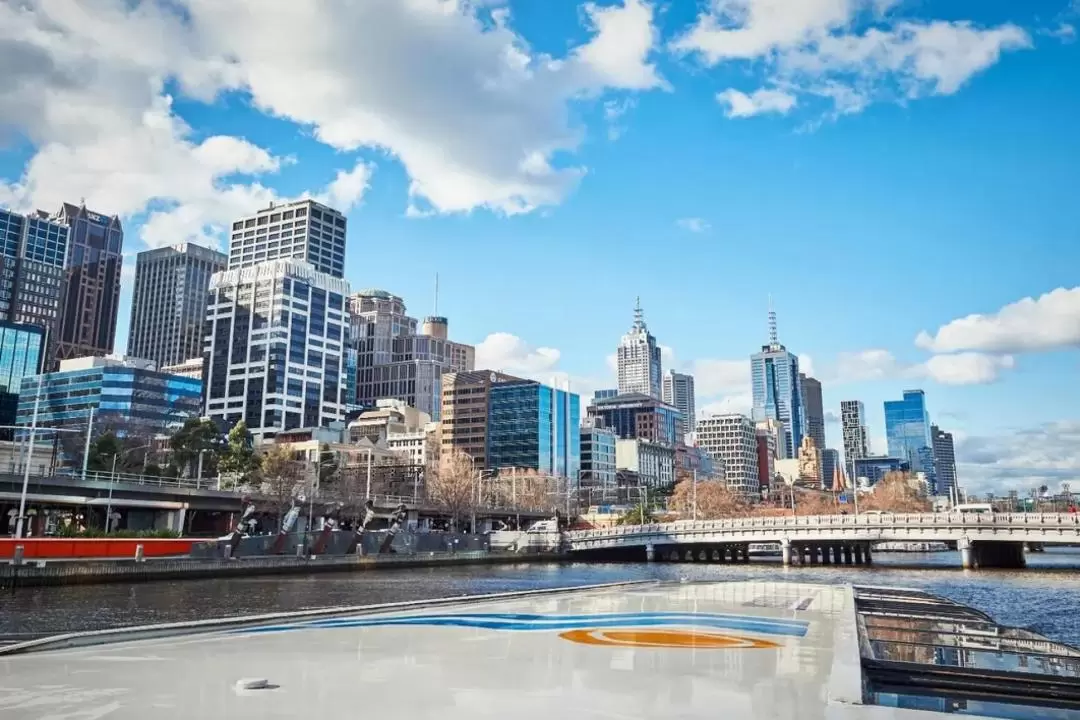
[(1042, 598)]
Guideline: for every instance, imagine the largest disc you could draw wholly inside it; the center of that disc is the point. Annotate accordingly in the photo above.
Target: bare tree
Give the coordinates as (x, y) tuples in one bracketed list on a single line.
[(452, 488), (714, 500), (282, 478), (895, 493)]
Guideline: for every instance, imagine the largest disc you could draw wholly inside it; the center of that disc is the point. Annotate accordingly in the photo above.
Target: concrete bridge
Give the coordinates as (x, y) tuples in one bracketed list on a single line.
[(983, 539)]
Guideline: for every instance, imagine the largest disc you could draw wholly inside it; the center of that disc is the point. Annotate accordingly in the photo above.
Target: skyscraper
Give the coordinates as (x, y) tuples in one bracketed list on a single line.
[(33, 250), (278, 353), (777, 392), (303, 230), (92, 284), (21, 349), (639, 359), (679, 392), (396, 361), (853, 423), (944, 460), (907, 428), (732, 441), (168, 307), (815, 417)]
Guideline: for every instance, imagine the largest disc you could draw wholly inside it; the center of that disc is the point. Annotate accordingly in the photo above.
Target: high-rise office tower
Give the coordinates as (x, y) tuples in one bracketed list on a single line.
[(907, 428), (944, 460), (639, 359), (815, 416), (21, 355), (277, 348), (33, 250), (168, 306), (732, 440), (302, 230), (777, 392), (92, 284), (679, 392), (396, 361), (465, 417), (856, 438)]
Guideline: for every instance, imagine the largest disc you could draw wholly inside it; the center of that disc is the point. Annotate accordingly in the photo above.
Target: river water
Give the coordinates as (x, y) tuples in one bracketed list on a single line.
[(1044, 598)]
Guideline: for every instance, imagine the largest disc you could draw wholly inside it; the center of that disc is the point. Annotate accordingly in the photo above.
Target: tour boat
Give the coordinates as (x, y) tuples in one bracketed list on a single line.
[(652, 650)]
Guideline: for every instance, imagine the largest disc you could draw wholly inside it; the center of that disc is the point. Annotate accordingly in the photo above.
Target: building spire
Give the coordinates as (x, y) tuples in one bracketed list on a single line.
[(639, 314), (774, 338)]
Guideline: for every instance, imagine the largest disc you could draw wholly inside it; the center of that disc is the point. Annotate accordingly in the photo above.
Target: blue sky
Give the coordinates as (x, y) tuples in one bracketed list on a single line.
[(880, 167)]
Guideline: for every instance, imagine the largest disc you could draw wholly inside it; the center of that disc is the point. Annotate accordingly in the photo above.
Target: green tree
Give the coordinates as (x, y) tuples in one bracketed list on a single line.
[(637, 515), (198, 435), (328, 466), (238, 457)]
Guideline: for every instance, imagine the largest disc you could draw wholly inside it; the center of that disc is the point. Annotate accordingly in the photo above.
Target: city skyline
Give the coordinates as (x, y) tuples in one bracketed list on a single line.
[(669, 150)]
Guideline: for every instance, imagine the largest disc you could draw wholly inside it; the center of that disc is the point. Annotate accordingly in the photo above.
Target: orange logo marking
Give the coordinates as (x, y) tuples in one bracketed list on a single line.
[(665, 639)]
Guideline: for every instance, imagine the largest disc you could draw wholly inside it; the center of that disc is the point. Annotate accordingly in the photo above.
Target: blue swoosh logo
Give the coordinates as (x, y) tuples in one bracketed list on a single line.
[(533, 622)]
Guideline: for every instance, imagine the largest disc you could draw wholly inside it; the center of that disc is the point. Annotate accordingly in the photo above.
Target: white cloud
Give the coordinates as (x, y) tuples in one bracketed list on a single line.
[(473, 114), (967, 368), (1049, 322), (720, 377), (349, 187), (738, 404), (694, 224), (510, 354), (1048, 454), (851, 51), (1065, 32), (864, 366), (614, 110), (806, 366), (762, 100)]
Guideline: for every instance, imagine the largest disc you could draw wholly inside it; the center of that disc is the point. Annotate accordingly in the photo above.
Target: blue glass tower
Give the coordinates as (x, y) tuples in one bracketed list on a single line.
[(21, 350), (907, 427), (534, 426), (777, 391)]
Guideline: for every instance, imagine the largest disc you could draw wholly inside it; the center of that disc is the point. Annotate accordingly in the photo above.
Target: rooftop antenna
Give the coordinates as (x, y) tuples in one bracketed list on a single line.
[(773, 335), (639, 315), (436, 294)]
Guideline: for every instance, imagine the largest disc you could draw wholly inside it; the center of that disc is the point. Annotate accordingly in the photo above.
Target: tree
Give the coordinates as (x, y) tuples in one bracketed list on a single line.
[(281, 478), (328, 465), (197, 435), (714, 500), (238, 457), (129, 452), (637, 515), (894, 493), (452, 488)]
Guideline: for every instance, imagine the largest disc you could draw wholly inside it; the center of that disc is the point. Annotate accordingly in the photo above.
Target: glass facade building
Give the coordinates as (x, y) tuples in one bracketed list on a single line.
[(907, 429), (598, 469), (120, 391), (875, 468), (777, 392), (92, 282), (636, 415), (534, 426), (33, 250), (277, 348), (21, 348)]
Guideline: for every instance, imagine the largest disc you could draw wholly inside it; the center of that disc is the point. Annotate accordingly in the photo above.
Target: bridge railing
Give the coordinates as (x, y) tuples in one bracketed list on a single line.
[(1070, 520)]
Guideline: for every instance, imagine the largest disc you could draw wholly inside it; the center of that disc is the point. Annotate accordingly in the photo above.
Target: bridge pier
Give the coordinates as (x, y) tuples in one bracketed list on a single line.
[(785, 551), (991, 554), (650, 553)]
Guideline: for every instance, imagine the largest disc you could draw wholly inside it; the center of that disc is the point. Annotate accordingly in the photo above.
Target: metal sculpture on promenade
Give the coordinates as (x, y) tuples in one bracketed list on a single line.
[(247, 516), (398, 519), (287, 524), (361, 528), (331, 517)]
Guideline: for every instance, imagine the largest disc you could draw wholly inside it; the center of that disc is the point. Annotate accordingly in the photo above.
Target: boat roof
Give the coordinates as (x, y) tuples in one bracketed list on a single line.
[(634, 650)]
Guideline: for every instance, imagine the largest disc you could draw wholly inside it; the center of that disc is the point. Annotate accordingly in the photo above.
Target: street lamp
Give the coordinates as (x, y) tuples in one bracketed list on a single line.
[(112, 481)]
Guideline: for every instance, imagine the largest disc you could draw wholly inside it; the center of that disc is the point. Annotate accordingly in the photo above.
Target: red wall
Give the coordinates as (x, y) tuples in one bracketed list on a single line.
[(46, 548)]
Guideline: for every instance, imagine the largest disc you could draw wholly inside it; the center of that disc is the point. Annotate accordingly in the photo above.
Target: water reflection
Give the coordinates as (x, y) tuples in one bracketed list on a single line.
[(1040, 598)]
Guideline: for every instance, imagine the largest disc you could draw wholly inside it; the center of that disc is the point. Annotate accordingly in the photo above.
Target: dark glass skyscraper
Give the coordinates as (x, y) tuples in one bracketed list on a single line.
[(21, 349), (168, 306), (92, 282), (32, 254)]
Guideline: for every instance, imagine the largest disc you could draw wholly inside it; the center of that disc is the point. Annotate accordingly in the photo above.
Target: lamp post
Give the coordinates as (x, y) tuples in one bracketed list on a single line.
[(112, 482)]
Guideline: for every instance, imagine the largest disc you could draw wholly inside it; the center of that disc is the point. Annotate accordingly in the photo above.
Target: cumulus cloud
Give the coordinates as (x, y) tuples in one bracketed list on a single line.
[(449, 89), (1047, 454), (694, 224), (967, 368), (510, 354), (853, 51), (1049, 322), (763, 100)]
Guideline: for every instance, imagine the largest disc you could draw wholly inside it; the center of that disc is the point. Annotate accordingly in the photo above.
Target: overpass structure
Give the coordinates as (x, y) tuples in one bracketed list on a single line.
[(984, 540)]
